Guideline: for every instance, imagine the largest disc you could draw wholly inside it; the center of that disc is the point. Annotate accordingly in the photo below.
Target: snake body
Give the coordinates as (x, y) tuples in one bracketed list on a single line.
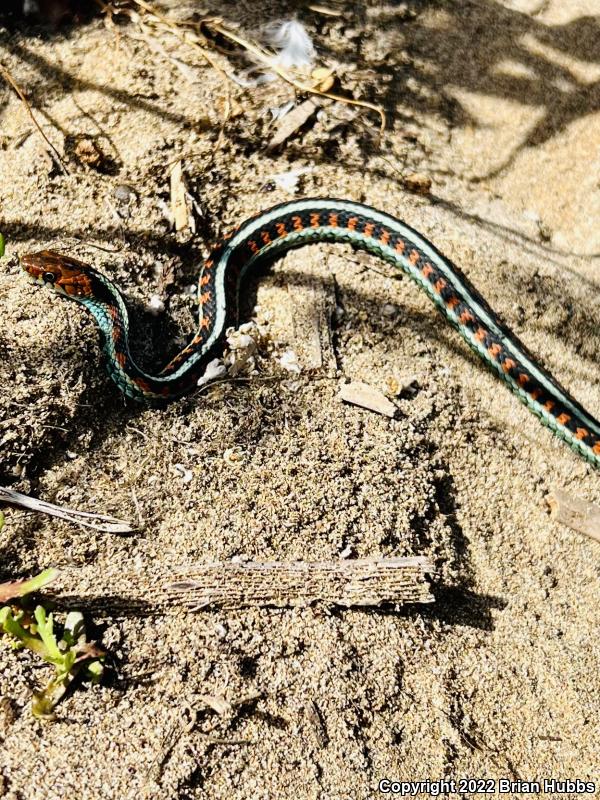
[(291, 225)]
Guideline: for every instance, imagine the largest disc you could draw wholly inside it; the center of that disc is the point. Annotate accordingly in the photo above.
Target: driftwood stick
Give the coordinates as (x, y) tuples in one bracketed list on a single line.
[(359, 582)]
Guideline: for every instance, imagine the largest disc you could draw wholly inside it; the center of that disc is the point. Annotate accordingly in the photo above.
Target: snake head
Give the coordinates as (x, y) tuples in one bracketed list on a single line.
[(62, 273)]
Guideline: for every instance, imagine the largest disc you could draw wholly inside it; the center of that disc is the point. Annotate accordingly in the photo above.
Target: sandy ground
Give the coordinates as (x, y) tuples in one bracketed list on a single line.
[(497, 102)]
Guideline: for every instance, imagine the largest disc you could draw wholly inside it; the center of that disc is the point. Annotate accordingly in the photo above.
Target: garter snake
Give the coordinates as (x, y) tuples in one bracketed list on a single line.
[(294, 224)]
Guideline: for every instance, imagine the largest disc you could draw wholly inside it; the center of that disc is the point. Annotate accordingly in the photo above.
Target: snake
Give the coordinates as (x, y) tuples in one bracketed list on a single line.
[(290, 225)]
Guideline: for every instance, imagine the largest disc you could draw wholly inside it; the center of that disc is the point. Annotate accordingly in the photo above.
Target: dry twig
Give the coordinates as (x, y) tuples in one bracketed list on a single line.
[(99, 522), (361, 394), (11, 81), (187, 36), (191, 39)]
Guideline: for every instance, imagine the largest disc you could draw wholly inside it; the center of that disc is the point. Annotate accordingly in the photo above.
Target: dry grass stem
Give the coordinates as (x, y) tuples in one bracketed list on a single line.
[(87, 519), (11, 81)]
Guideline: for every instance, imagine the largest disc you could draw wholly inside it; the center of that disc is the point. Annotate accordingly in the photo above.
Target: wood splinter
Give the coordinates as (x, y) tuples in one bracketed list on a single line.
[(580, 515), (345, 582), (239, 584)]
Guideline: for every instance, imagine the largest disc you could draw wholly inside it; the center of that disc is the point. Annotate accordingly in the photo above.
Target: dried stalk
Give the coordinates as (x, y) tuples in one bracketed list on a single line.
[(262, 55)]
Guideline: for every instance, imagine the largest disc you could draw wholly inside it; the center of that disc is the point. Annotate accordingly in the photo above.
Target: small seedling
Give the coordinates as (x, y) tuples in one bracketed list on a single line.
[(71, 654)]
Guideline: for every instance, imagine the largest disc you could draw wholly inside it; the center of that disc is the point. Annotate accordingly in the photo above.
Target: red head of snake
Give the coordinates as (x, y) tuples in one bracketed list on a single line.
[(64, 274)]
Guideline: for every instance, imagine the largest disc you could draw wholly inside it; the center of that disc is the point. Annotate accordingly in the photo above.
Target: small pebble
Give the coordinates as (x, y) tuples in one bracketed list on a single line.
[(124, 193), (417, 183)]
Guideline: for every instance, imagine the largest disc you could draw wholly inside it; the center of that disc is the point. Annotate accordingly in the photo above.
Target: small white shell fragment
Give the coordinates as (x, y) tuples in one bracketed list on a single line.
[(279, 112), (186, 474), (232, 455), (214, 369), (365, 396), (155, 305), (288, 181), (243, 338), (289, 361), (220, 630), (241, 341)]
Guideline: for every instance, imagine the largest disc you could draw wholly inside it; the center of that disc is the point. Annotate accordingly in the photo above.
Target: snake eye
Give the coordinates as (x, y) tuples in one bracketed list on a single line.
[(48, 277)]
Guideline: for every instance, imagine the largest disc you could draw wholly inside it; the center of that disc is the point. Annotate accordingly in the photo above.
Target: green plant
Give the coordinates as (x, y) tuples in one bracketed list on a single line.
[(71, 654), (13, 589)]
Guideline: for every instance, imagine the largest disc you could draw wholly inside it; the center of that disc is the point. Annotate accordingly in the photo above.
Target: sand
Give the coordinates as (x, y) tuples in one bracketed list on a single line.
[(497, 104)]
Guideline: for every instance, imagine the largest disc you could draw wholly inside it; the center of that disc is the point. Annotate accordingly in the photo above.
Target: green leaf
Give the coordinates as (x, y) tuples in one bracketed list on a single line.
[(2, 244), (46, 633), (13, 589), (39, 581), (11, 624), (95, 671), (44, 702)]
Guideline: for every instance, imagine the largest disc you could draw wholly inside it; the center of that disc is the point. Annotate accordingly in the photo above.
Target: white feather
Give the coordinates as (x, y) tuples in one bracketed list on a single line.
[(292, 43)]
